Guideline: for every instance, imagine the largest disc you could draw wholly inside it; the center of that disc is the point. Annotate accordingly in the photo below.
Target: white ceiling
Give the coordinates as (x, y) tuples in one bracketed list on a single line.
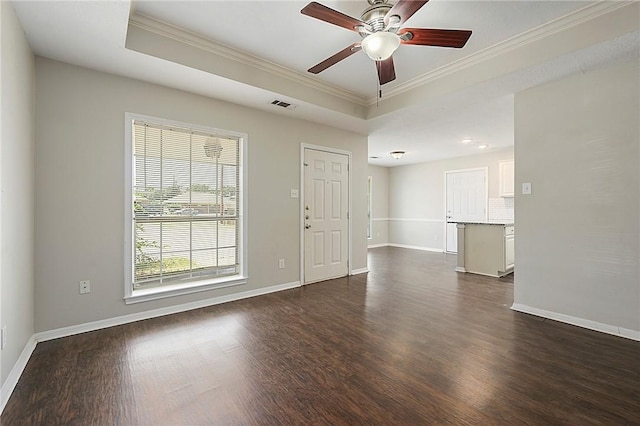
[(427, 123)]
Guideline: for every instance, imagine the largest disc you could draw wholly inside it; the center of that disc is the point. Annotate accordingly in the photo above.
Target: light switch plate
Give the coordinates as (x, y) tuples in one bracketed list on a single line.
[(526, 188), (294, 193)]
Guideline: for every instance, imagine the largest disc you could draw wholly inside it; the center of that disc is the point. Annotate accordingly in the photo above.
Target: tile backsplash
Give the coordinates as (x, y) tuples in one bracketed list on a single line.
[(500, 209)]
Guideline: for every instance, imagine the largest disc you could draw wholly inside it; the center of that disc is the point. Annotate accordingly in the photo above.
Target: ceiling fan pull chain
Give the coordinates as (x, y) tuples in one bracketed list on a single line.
[(379, 89)]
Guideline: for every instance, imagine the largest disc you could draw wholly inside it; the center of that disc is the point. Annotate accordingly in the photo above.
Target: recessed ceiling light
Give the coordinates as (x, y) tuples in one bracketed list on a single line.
[(396, 154), (373, 157), (483, 146), (467, 140)]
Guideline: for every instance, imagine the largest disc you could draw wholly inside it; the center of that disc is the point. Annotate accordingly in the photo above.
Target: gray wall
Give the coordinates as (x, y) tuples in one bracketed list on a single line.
[(17, 183), (577, 245), (80, 188), (380, 198), (417, 197)]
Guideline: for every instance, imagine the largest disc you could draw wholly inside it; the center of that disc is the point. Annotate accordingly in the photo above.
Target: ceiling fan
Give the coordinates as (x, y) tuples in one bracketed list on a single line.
[(380, 27)]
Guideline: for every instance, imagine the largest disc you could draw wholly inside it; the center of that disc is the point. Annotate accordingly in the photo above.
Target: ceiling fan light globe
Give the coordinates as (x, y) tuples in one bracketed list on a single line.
[(381, 45)]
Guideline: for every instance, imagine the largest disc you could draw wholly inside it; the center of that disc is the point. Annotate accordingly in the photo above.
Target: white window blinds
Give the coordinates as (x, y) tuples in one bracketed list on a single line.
[(186, 196)]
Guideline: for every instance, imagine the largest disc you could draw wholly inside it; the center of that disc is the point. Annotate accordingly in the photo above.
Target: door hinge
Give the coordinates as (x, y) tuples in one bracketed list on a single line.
[(347, 215)]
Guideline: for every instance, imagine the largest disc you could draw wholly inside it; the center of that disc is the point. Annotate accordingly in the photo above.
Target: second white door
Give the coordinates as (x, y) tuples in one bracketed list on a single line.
[(466, 201), (326, 204)]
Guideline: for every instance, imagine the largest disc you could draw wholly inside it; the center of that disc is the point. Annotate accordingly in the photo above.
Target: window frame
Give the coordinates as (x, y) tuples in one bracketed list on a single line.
[(207, 283)]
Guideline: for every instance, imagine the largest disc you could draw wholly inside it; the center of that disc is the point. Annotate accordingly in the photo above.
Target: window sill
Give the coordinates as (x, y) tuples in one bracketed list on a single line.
[(146, 295)]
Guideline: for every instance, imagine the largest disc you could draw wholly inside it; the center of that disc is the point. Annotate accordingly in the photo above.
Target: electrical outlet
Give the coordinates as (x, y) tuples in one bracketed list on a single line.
[(3, 337), (281, 263), (85, 287)]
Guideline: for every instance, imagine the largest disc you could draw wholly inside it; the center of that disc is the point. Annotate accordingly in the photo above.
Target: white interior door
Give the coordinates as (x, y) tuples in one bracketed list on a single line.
[(466, 201), (326, 203)]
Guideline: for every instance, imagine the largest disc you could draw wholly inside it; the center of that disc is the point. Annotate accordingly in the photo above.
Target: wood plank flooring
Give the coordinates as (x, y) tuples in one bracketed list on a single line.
[(411, 342)]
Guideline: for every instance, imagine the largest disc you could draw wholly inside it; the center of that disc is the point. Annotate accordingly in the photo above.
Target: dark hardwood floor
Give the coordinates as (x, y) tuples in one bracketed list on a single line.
[(412, 342)]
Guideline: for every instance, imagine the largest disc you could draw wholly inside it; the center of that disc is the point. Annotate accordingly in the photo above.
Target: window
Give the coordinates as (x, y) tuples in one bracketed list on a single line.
[(184, 203)]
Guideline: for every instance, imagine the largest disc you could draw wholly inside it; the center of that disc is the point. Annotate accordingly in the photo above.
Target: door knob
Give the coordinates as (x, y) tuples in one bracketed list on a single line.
[(307, 226)]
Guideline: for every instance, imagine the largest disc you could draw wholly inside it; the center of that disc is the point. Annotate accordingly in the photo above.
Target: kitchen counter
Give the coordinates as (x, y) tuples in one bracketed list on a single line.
[(486, 248)]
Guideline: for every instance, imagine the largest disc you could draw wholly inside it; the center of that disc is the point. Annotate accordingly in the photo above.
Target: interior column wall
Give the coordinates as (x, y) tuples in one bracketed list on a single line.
[(578, 236)]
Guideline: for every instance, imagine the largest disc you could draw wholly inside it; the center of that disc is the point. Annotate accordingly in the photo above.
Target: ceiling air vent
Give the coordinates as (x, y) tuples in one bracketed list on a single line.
[(283, 104)]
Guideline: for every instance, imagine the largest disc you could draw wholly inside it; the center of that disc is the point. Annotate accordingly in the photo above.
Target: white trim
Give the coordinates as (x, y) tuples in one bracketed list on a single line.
[(163, 292), (331, 150), (181, 35), (433, 249), (460, 269), (359, 271), (377, 245), (521, 40), (379, 219), (154, 313), (408, 219), (13, 377), (560, 24), (208, 283), (580, 322)]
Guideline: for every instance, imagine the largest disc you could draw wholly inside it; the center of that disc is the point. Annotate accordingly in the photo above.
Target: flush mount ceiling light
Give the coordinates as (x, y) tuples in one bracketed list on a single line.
[(396, 154), (381, 45), (483, 146), (467, 140)]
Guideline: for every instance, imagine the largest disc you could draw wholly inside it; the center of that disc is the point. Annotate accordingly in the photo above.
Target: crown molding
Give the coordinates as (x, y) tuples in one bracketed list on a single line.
[(181, 35), (580, 16)]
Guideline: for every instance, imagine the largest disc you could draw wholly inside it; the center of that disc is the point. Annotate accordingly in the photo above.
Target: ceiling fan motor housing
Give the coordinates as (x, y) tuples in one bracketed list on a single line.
[(374, 14)]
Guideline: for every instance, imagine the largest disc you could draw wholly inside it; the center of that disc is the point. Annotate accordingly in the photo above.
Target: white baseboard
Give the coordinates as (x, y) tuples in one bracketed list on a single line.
[(437, 250), (125, 319), (12, 380), (360, 271), (377, 245), (580, 322)]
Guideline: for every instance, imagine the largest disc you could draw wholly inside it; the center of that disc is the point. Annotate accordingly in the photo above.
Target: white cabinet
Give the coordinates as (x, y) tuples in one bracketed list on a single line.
[(509, 248), (507, 178)]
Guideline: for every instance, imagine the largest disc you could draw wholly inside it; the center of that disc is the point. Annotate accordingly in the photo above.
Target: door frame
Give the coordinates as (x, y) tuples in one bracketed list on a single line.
[(331, 150), (486, 197)]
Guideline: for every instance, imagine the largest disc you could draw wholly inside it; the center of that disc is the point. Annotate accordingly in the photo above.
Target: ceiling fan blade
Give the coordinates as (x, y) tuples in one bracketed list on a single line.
[(404, 9), (386, 70), (324, 13), (332, 60), (434, 37)]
